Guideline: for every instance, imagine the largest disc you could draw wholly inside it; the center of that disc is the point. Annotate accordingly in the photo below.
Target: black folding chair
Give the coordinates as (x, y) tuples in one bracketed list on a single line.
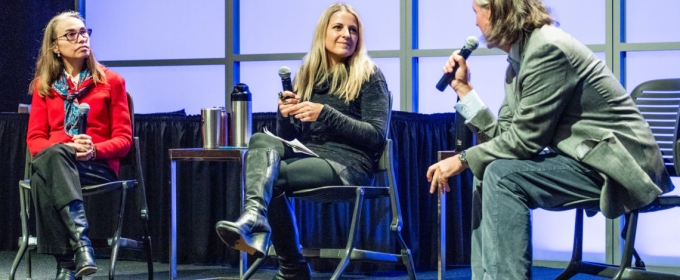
[(116, 242), (658, 101)]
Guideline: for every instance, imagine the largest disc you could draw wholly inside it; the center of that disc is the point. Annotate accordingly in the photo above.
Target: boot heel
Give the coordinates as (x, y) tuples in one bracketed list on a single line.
[(257, 242), (85, 271), (228, 233), (84, 259)]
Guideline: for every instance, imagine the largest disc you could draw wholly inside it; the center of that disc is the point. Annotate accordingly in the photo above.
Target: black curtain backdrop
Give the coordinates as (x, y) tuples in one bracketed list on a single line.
[(21, 28), (208, 193)]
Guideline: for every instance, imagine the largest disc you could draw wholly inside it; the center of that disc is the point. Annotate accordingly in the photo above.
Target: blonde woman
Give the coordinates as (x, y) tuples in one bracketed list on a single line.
[(67, 74), (340, 112)]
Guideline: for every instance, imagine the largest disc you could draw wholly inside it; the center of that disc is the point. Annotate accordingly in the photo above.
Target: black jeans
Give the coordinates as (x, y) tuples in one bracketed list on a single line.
[(296, 171), (56, 180)]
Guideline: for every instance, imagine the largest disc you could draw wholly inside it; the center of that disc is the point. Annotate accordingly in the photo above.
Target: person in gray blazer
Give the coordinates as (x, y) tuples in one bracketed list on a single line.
[(567, 130)]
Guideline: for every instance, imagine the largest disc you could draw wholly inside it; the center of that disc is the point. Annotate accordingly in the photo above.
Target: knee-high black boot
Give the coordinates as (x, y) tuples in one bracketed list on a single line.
[(251, 232), (292, 265), (73, 216)]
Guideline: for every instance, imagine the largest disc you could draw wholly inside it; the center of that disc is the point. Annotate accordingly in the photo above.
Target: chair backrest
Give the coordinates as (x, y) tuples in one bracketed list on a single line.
[(389, 117), (130, 159), (385, 165), (659, 103), (133, 159), (386, 157)]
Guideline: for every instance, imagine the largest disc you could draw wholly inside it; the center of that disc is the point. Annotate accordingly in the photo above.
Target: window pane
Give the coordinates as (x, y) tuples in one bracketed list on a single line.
[(138, 30), (586, 25), (487, 76), (288, 26), (553, 236), (262, 78), (652, 21), (438, 29), (172, 88), (643, 66)]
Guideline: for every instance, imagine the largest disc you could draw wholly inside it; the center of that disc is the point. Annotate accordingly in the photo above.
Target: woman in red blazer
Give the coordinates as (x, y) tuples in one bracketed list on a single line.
[(67, 76)]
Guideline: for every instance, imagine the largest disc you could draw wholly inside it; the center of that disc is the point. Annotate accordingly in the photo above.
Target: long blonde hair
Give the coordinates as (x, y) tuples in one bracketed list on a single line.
[(345, 78), (511, 19), (49, 67)]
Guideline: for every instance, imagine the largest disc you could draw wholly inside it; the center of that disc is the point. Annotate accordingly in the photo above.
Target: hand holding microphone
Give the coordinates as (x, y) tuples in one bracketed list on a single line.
[(463, 137), (82, 142), (83, 110), (457, 59), (284, 73)]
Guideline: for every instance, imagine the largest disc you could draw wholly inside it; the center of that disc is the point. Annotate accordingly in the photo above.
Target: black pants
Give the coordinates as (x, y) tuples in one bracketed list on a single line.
[(56, 180), (296, 172)]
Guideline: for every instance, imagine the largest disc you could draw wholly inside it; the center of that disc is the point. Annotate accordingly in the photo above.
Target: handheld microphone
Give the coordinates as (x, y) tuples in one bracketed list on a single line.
[(471, 44), (83, 109), (284, 73)]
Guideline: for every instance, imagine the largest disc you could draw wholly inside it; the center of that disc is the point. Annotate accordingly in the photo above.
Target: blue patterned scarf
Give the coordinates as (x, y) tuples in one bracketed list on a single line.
[(70, 92)]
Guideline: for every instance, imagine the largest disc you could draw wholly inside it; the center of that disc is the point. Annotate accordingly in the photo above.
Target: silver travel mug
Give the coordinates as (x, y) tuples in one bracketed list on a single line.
[(211, 124), (240, 119)]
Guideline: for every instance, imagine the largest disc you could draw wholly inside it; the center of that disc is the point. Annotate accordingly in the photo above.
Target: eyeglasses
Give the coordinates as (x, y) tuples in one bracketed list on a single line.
[(72, 36)]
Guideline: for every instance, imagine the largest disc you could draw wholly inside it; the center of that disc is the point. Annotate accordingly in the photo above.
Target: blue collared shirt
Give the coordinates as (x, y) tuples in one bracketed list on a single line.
[(471, 104)]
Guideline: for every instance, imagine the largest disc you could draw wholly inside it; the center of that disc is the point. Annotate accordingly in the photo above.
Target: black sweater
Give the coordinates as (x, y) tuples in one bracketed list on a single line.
[(350, 136)]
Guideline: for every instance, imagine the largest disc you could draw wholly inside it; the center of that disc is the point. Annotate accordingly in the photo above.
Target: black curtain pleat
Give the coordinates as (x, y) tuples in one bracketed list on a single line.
[(12, 162), (208, 192), (21, 24)]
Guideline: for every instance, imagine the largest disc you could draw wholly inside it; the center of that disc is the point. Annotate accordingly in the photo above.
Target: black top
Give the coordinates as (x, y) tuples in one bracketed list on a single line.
[(350, 136)]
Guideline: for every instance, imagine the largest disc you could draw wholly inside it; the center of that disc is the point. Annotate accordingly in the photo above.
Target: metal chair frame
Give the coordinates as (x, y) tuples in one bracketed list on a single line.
[(659, 103), (357, 194), (27, 241)]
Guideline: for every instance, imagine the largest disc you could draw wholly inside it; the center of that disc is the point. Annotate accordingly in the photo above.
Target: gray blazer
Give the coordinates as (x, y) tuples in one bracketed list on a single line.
[(565, 97)]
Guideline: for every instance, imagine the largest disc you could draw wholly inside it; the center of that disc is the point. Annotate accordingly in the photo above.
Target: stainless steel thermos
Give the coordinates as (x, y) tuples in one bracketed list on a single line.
[(240, 119), (210, 124)]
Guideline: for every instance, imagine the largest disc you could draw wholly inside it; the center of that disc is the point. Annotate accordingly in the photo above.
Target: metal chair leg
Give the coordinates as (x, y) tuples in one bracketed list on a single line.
[(627, 257), (148, 249), (17, 259), (25, 236), (254, 267), (352, 238), (116, 238), (577, 251)]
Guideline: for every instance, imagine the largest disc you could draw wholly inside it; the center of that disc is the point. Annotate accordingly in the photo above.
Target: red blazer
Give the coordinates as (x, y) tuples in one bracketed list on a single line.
[(108, 121)]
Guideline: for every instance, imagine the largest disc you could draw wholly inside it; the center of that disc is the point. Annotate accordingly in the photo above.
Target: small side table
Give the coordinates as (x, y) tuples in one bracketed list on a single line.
[(232, 154)]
